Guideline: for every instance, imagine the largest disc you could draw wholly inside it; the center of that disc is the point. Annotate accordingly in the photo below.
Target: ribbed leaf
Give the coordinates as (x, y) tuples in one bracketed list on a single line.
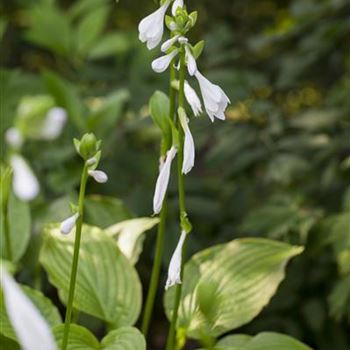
[(227, 285), (262, 341), (80, 338), (44, 305), (107, 285)]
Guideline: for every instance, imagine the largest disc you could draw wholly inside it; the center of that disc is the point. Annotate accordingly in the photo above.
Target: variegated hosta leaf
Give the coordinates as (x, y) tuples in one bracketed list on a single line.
[(80, 338), (227, 285), (129, 236), (107, 286), (262, 341), (44, 305)]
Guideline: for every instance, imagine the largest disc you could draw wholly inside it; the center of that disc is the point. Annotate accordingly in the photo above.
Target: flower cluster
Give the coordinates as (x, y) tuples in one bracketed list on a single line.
[(214, 99), (89, 149)]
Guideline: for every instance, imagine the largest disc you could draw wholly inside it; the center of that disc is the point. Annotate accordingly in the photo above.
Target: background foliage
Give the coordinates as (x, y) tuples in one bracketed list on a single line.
[(279, 167)]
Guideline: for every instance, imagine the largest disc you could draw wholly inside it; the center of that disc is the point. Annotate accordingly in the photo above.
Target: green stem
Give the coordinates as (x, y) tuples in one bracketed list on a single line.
[(182, 199), (152, 291), (147, 315), (74, 270), (7, 231)]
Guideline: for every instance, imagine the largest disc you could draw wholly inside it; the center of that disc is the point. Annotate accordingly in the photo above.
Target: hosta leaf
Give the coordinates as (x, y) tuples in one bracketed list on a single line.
[(227, 285), (124, 338), (44, 305), (107, 285), (262, 341), (129, 235), (20, 225)]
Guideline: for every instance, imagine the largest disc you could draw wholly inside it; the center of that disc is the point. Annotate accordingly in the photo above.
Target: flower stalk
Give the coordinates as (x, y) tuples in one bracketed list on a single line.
[(74, 270)]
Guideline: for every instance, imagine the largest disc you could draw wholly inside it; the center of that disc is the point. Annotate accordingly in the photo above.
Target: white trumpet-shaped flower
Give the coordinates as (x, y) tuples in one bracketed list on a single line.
[(176, 4), (32, 331), (14, 137), (160, 64), (169, 43), (54, 123), (98, 175), (163, 181), (25, 184), (174, 271), (193, 99), (191, 62), (189, 149), (67, 225), (215, 100), (151, 28)]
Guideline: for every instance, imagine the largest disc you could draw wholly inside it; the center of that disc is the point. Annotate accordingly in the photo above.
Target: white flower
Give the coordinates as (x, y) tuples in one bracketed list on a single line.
[(14, 137), (176, 4), (169, 43), (32, 330), (193, 99), (163, 181), (67, 225), (91, 161), (160, 64), (174, 271), (25, 184), (191, 62), (98, 175), (151, 28), (215, 100), (54, 123), (189, 149)]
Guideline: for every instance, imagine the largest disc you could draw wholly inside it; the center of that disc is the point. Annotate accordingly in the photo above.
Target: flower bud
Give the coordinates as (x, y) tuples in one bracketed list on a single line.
[(87, 146)]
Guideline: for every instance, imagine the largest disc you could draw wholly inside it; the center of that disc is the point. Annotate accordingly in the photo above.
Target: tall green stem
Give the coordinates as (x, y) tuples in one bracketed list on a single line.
[(7, 231), (147, 315), (74, 270), (182, 201)]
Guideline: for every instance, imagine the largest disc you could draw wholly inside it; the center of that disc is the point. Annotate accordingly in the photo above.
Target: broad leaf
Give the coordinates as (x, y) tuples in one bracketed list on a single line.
[(19, 226), (80, 338), (227, 285), (262, 341), (107, 285), (44, 305), (129, 236)]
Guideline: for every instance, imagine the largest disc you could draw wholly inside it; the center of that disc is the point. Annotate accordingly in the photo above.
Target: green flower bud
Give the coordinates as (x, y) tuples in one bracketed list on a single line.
[(88, 146)]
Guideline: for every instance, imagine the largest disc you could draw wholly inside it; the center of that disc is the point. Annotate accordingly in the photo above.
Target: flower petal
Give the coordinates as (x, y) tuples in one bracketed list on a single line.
[(160, 64), (193, 99), (67, 225), (163, 181), (176, 4), (189, 148), (191, 62), (98, 175), (31, 329), (54, 123), (14, 137), (169, 43)]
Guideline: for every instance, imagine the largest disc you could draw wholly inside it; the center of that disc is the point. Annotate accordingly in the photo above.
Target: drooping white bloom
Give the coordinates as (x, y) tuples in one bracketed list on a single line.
[(14, 137), (189, 149), (191, 62), (169, 43), (25, 184), (67, 225), (32, 331), (151, 28), (215, 100), (193, 99), (163, 181), (160, 64), (54, 123), (176, 4), (174, 271), (98, 175)]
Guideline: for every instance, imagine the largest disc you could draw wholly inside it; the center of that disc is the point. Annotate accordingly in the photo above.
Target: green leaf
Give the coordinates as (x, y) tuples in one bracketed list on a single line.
[(107, 285), (129, 236), (159, 109), (66, 96), (43, 304), (198, 49), (20, 228), (90, 28), (8, 344), (244, 274), (262, 341), (103, 211), (80, 338)]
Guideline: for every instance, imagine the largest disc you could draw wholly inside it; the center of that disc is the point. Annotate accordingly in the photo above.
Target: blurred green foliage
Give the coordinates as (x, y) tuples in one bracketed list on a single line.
[(279, 167)]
